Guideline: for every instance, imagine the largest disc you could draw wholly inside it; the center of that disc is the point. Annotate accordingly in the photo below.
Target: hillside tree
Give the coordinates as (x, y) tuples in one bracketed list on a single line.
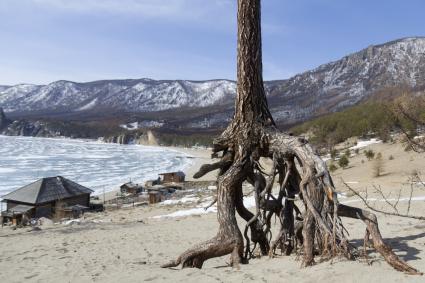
[(409, 114), (343, 161)]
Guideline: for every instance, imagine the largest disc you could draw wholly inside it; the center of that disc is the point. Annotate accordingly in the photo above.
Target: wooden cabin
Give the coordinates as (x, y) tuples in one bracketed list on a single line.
[(131, 188), (173, 177), (46, 197)]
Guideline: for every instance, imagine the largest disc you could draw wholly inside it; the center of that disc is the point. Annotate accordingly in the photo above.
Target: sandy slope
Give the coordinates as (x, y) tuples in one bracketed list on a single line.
[(129, 245)]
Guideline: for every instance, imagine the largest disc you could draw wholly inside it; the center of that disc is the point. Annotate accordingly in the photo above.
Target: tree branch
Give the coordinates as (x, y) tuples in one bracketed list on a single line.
[(366, 203)]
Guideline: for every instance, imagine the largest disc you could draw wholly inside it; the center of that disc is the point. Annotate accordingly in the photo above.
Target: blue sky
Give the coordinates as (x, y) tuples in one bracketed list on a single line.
[(82, 40)]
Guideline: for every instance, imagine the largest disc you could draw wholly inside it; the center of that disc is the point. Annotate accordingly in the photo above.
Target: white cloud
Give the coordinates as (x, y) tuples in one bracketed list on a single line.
[(169, 9)]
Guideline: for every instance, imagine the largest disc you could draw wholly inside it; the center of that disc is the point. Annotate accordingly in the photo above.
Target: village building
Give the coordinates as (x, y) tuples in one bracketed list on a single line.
[(131, 188), (47, 197), (158, 193), (173, 177), (155, 197)]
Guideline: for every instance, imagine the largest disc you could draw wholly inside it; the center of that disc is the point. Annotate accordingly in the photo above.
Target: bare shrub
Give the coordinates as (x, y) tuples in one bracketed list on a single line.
[(378, 165)]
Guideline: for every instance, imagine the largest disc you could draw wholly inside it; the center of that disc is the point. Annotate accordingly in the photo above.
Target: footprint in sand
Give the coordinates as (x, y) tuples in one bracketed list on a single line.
[(62, 250), (31, 276)]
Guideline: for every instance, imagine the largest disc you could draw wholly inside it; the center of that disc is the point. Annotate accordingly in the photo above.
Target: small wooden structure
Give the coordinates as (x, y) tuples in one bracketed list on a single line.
[(154, 197), (46, 197), (173, 177), (19, 214), (75, 211), (158, 193), (131, 188)]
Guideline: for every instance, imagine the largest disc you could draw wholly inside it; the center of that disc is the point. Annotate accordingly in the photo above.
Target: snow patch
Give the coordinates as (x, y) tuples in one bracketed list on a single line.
[(361, 144), (144, 124), (183, 200), (88, 106), (130, 126), (187, 212), (199, 210)]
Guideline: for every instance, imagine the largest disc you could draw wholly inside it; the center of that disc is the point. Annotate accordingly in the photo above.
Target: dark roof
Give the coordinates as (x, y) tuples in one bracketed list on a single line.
[(178, 173), (131, 185), (21, 208), (47, 190)]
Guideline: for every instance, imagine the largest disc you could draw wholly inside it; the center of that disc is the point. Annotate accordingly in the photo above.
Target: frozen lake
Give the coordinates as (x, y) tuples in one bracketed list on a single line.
[(93, 164)]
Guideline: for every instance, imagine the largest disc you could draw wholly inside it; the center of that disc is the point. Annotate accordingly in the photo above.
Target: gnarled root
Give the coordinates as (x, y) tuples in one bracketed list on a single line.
[(285, 238), (229, 238), (322, 228), (319, 232), (318, 194), (216, 247), (224, 163), (378, 243), (257, 234)]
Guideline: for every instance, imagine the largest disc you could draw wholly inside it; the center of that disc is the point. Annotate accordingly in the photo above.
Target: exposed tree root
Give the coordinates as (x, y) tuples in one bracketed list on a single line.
[(378, 243), (229, 238), (218, 246), (258, 236), (319, 231)]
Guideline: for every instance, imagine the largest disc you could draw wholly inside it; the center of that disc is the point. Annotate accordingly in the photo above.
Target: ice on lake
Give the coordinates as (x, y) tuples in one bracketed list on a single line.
[(93, 164)]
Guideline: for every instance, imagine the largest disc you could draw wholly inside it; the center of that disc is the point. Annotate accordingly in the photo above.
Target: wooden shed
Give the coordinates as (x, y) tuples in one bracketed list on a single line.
[(131, 188), (44, 198), (75, 211), (154, 197), (173, 177)]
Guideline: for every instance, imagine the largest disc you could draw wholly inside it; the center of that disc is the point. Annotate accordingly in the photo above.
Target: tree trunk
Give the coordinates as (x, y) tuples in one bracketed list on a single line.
[(251, 102), (241, 136)]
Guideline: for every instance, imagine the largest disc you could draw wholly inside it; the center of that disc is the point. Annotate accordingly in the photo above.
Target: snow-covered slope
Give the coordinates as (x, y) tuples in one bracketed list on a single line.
[(3, 87), (345, 82), (329, 87), (161, 95), (129, 95)]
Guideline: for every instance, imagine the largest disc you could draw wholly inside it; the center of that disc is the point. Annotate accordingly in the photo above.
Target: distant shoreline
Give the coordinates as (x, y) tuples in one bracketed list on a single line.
[(29, 156)]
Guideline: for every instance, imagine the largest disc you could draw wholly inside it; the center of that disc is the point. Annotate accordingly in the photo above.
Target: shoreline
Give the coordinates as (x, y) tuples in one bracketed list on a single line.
[(197, 157), (189, 161)]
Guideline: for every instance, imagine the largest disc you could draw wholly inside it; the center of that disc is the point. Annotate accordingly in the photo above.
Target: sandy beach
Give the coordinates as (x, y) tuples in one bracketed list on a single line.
[(130, 244)]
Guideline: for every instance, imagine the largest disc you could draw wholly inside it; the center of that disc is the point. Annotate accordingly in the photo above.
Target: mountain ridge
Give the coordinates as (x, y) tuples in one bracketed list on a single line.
[(327, 88)]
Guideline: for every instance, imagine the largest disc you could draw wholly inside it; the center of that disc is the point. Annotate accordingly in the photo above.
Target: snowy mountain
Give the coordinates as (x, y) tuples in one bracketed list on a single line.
[(143, 95), (328, 88), (355, 77)]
